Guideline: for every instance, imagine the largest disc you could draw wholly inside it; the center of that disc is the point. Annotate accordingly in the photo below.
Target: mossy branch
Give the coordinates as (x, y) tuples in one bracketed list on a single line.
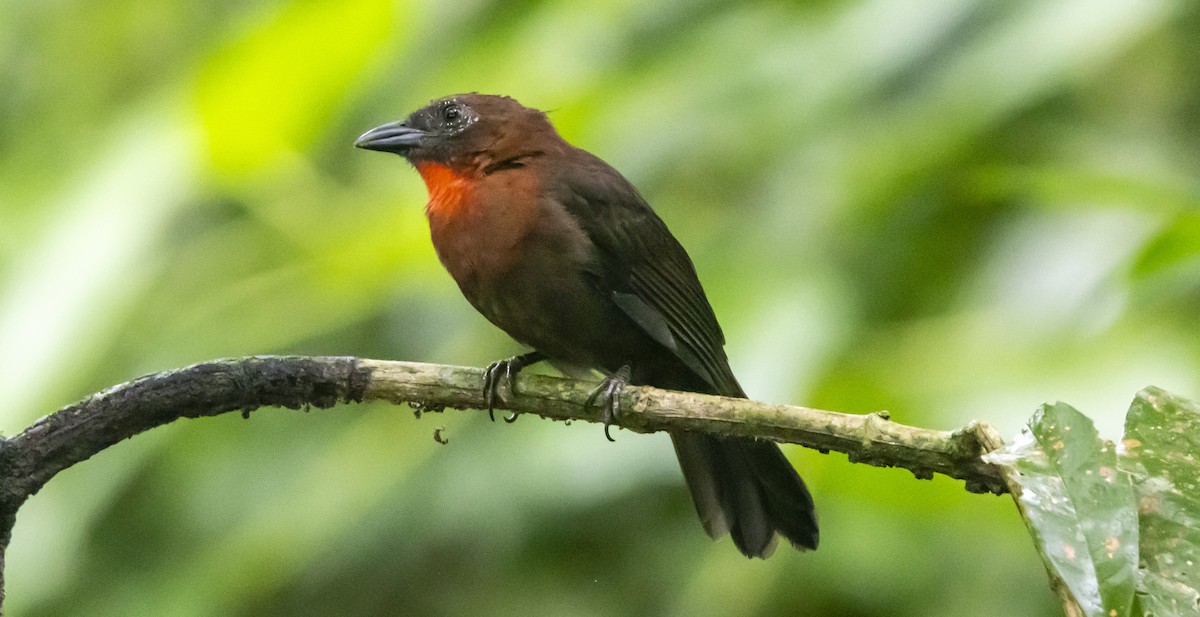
[(31, 458)]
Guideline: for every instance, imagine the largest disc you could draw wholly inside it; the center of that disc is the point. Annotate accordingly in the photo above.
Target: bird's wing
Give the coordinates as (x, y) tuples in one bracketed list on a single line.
[(651, 277)]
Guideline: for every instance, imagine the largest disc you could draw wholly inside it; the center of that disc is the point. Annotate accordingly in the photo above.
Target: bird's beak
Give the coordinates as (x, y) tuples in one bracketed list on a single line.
[(394, 137)]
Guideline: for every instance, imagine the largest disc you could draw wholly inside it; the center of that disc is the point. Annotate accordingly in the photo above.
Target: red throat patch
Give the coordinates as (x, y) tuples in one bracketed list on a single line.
[(447, 189)]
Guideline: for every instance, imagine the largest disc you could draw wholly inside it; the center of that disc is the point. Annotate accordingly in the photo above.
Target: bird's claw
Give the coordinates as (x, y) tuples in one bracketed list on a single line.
[(608, 394), (504, 370), (491, 381)]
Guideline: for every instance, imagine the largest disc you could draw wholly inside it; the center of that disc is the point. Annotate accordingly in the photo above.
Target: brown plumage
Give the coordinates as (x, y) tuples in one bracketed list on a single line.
[(559, 250)]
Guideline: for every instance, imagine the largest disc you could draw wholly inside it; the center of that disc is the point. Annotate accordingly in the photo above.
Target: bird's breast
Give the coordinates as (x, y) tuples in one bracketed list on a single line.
[(449, 190), (521, 259), (483, 228)]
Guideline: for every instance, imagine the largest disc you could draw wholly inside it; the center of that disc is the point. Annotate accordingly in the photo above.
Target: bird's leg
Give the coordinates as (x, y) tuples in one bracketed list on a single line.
[(608, 393), (505, 370)]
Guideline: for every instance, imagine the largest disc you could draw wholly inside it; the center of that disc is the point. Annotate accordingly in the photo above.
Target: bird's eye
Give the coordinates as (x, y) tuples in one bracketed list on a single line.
[(451, 114)]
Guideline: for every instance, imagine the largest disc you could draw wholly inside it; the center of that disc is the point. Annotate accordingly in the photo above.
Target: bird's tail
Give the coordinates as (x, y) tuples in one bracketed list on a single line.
[(748, 488)]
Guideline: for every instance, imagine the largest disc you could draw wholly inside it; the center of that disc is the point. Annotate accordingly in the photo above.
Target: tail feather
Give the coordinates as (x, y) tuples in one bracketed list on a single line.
[(700, 460), (748, 488), (788, 501)]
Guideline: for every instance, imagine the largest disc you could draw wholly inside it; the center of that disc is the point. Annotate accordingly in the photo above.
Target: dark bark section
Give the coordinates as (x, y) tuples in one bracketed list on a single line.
[(75, 433)]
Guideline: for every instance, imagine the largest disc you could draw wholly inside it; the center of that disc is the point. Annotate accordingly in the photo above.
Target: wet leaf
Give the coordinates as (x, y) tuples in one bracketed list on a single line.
[(1079, 507), (1161, 448)]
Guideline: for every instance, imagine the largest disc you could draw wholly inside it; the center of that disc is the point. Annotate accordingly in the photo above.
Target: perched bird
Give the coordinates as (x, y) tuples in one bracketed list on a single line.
[(559, 250)]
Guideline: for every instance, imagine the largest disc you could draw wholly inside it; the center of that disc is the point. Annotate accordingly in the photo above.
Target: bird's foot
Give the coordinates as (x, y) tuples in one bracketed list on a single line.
[(608, 396), (506, 371)]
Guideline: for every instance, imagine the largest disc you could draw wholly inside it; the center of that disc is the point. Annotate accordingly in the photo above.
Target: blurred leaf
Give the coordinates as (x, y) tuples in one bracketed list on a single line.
[(272, 91), (1162, 437), (1079, 507), (1177, 247), (1073, 186)]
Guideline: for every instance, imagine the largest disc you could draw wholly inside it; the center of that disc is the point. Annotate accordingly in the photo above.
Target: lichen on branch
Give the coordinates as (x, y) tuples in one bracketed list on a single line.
[(73, 434)]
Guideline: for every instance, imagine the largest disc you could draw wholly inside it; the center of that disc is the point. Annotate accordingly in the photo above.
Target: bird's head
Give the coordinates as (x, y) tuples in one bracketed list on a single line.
[(465, 131)]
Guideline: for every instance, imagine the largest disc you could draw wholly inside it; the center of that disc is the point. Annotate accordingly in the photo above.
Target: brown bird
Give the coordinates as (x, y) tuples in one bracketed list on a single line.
[(559, 250)]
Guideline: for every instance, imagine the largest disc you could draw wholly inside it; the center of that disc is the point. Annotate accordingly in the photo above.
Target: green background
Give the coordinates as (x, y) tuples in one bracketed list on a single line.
[(947, 210)]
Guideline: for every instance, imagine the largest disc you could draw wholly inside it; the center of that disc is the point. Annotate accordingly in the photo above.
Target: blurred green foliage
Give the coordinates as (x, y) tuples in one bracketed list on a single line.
[(948, 210)]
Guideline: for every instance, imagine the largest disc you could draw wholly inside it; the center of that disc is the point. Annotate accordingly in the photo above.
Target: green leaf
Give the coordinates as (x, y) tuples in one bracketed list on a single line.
[(1175, 248), (1079, 507), (1162, 441)]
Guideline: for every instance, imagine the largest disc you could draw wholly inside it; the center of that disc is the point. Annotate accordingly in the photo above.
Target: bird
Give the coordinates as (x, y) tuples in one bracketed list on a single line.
[(560, 251)]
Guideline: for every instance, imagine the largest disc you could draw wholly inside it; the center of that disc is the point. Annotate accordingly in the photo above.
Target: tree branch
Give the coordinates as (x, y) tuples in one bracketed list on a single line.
[(30, 459)]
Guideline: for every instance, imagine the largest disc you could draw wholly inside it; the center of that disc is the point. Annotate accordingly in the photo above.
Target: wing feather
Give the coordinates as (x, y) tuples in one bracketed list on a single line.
[(643, 259)]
